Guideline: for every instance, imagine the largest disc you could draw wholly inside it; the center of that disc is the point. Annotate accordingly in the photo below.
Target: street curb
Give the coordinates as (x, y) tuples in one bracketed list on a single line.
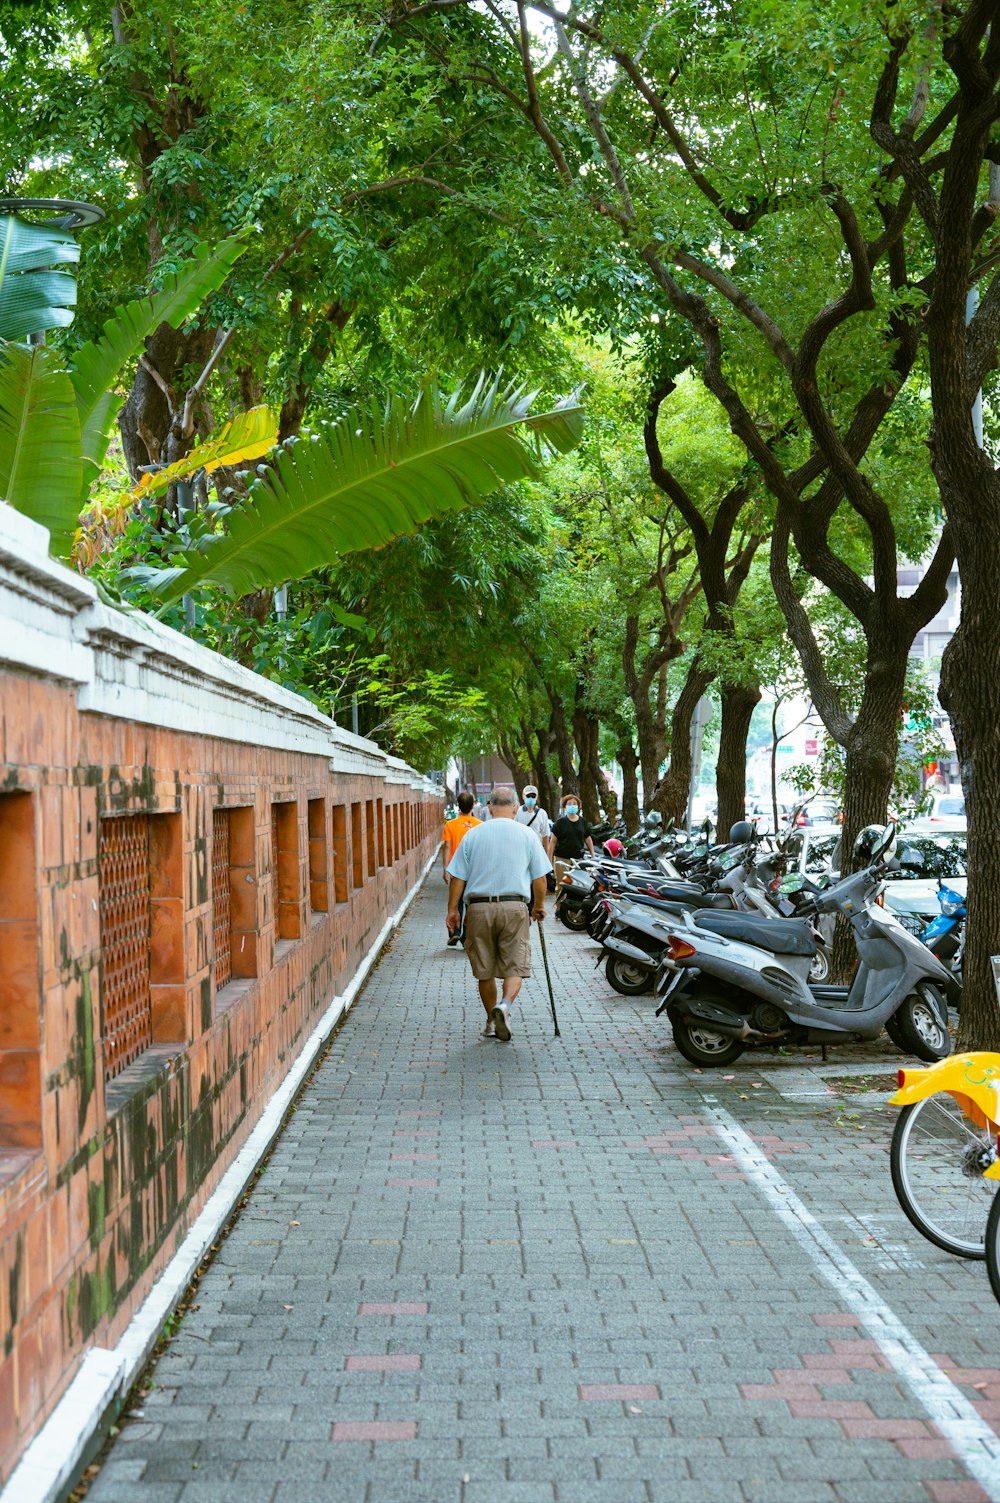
[(79, 1424)]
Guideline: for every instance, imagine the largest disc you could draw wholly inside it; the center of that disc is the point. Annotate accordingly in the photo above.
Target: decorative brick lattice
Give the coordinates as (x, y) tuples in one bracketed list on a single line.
[(124, 885), (222, 917)]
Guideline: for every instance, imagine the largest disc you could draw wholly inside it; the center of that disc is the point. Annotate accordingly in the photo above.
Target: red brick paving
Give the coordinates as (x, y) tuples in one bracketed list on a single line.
[(607, 1392), (374, 1430), (402, 1362)]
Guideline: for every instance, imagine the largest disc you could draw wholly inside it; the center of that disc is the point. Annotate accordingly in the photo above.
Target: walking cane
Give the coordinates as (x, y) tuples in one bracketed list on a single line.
[(552, 1000)]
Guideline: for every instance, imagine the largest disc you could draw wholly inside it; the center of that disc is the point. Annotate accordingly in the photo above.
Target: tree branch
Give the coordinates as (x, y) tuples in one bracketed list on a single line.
[(826, 697), (595, 122), (555, 150), (931, 593), (740, 300)]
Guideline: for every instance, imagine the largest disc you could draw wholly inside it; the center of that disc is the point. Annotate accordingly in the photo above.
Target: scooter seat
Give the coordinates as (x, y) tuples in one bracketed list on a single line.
[(678, 892), (780, 936)]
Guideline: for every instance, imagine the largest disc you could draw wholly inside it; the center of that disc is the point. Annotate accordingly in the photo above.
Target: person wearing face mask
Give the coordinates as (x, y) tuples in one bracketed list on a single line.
[(533, 816), (570, 836)]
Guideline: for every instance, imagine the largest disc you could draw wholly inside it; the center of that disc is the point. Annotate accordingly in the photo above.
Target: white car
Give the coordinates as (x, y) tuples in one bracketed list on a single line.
[(947, 812), (925, 856)]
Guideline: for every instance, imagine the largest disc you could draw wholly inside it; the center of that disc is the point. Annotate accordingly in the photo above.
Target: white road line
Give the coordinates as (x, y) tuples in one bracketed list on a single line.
[(969, 1436)]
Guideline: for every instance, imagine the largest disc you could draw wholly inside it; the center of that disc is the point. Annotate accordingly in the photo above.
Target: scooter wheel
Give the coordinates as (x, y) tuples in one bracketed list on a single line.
[(573, 918), (916, 1029), (819, 971), (701, 1046), (629, 979)]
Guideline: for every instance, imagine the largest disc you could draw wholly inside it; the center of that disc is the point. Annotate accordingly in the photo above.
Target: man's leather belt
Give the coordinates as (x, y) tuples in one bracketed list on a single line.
[(503, 897)]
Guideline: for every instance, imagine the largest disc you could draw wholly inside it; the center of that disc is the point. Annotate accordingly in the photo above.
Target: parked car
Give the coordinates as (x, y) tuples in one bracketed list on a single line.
[(818, 849), (923, 860), (820, 811), (760, 812), (947, 808)]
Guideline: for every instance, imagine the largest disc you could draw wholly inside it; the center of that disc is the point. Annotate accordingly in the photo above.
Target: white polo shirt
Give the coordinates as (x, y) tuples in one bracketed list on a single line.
[(539, 825)]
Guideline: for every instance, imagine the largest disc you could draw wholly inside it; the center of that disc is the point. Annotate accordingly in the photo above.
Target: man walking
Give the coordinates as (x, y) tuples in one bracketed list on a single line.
[(499, 870), (454, 832), (532, 815)]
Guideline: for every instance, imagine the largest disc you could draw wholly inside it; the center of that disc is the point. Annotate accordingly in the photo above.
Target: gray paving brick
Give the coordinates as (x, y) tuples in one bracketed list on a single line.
[(543, 1269)]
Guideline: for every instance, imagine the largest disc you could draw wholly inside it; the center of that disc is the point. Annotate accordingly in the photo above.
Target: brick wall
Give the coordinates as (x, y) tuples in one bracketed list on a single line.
[(192, 864)]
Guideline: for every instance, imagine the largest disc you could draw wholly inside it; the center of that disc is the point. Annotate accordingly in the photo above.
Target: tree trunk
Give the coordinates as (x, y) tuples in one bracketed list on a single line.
[(969, 694), (585, 731), (650, 748), (628, 761), (738, 704), (509, 754), (146, 415), (607, 795), (674, 789), (871, 751), (332, 319), (563, 746), (649, 729), (548, 797)]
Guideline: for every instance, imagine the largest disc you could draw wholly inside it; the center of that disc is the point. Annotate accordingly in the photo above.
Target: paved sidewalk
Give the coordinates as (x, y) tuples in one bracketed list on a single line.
[(535, 1273)]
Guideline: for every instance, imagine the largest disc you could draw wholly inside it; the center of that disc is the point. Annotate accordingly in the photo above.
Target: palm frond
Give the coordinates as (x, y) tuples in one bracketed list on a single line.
[(248, 436), (95, 365), (40, 464), (372, 477), (33, 296)]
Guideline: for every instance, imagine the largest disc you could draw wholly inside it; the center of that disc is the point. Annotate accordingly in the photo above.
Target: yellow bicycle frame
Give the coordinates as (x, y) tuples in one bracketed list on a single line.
[(972, 1079)]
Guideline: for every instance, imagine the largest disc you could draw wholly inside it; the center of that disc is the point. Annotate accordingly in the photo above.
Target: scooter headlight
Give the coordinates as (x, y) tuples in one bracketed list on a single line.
[(950, 909)]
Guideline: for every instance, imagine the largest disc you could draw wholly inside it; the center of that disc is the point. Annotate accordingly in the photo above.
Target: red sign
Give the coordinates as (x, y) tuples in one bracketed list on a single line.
[(812, 748)]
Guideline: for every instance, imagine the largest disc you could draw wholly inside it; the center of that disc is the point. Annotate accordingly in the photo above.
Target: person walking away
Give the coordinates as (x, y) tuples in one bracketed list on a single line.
[(569, 838), (499, 870), (533, 816), (454, 832)]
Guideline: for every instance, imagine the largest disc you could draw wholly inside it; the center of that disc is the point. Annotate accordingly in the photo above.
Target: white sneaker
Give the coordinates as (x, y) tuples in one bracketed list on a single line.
[(488, 1030), (499, 1020)]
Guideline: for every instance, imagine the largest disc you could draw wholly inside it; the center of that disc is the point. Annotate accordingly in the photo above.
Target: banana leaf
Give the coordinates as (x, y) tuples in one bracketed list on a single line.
[(372, 477), (247, 437), (33, 296), (40, 462), (96, 365)]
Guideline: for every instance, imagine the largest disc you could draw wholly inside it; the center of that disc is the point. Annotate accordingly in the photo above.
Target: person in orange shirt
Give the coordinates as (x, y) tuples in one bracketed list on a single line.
[(454, 831)]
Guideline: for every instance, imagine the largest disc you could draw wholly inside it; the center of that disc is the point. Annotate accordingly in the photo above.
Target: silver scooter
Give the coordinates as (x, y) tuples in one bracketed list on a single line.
[(635, 931), (729, 981)]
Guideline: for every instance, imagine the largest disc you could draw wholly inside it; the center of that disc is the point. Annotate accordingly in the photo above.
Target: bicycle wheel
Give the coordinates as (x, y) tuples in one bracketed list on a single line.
[(938, 1157)]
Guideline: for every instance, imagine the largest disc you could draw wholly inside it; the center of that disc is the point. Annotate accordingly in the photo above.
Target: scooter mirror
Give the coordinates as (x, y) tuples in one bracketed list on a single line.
[(729, 859), (887, 849), (794, 882)]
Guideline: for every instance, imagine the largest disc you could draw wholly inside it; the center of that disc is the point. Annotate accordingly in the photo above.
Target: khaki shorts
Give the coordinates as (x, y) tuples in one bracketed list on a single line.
[(498, 939)]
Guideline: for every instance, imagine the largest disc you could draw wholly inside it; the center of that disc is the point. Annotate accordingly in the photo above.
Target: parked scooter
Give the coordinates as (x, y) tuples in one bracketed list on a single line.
[(587, 884), (945, 935), (650, 872), (729, 981), (634, 930)]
